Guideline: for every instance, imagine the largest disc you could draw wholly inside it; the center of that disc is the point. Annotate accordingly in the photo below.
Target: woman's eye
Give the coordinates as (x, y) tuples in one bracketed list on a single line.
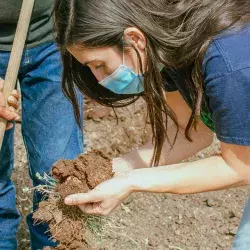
[(99, 66)]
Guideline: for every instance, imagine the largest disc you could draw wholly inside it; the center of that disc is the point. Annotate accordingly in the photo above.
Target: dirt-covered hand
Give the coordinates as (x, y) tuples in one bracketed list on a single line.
[(104, 198), (10, 114)]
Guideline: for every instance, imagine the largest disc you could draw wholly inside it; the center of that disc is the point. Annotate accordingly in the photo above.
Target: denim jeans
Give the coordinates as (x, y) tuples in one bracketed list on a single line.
[(49, 131), (242, 239)]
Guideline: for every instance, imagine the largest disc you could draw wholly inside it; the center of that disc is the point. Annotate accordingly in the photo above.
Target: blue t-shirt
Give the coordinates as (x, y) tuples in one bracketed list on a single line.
[(226, 72)]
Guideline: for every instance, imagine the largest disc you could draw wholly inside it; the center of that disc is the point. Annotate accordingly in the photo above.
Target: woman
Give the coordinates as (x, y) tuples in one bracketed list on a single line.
[(112, 52)]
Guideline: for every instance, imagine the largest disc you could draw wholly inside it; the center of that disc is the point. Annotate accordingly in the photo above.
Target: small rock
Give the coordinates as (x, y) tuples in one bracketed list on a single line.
[(231, 214), (153, 242), (128, 201), (210, 202)]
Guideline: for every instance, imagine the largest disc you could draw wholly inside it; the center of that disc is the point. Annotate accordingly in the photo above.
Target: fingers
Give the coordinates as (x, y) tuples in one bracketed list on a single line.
[(93, 208), (9, 126), (13, 101), (9, 114), (83, 198), (96, 208), (16, 94)]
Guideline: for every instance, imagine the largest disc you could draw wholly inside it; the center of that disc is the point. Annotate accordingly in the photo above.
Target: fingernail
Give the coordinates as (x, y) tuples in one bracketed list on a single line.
[(12, 109), (11, 99), (15, 92), (18, 118), (68, 201)]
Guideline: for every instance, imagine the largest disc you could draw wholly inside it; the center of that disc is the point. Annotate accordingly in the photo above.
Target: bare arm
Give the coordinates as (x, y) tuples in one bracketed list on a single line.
[(183, 149), (229, 169), (192, 177)]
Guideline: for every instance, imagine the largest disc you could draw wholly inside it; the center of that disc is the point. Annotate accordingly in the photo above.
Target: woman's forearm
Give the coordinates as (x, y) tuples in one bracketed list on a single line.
[(187, 178), (141, 157)]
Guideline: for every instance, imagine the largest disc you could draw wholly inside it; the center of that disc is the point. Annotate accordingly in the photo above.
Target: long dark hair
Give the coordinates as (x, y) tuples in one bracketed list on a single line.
[(178, 33)]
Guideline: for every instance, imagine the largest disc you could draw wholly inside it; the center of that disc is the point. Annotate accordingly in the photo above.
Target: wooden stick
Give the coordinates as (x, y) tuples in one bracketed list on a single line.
[(16, 56)]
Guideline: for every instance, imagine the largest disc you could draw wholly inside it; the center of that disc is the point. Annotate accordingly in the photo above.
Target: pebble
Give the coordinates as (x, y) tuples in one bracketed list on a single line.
[(128, 200), (153, 242), (210, 202)]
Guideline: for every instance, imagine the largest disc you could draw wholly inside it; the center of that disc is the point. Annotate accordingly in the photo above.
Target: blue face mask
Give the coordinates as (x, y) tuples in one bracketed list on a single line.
[(124, 81)]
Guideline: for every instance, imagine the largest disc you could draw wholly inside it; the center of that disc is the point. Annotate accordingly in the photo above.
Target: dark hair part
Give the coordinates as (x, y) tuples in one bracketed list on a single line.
[(178, 33)]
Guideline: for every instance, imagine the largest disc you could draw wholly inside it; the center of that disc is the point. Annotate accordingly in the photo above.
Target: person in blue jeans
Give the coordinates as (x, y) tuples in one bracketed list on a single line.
[(48, 126), (113, 51)]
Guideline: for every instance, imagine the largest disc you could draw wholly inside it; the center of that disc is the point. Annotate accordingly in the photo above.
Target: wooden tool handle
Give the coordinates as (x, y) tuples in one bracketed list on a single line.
[(16, 56)]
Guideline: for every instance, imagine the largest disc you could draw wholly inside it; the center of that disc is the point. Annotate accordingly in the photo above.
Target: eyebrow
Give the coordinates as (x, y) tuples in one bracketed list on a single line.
[(88, 62)]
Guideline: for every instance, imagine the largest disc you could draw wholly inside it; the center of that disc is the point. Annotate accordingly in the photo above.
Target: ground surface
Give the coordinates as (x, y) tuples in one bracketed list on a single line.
[(147, 221)]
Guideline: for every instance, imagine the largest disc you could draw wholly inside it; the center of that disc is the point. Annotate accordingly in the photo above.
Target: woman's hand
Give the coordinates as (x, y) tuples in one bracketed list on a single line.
[(104, 198), (9, 114)]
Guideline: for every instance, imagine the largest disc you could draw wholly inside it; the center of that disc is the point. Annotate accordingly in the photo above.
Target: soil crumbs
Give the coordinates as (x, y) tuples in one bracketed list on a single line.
[(66, 223)]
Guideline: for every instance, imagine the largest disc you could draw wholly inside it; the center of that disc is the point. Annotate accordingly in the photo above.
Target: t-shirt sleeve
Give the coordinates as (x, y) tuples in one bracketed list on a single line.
[(229, 100), (168, 81)]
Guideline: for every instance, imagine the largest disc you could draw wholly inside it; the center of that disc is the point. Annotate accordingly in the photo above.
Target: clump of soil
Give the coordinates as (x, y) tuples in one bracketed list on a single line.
[(66, 223)]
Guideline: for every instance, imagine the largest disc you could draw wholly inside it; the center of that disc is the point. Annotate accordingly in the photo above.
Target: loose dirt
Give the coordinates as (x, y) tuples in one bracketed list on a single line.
[(66, 223)]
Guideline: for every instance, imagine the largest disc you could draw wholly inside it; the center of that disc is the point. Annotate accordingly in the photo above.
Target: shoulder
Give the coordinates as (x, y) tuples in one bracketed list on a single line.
[(229, 52), (226, 70)]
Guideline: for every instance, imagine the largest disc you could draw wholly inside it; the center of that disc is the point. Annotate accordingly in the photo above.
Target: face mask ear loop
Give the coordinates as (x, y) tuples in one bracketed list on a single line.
[(123, 43), (138, 65), (123, 61), (146, 51)]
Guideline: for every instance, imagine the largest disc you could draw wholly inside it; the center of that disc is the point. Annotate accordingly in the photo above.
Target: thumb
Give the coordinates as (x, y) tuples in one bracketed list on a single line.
[(82, 198)]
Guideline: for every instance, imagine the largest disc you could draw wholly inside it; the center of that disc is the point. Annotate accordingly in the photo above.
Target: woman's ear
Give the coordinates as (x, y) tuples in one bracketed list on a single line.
[(135, 37)]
